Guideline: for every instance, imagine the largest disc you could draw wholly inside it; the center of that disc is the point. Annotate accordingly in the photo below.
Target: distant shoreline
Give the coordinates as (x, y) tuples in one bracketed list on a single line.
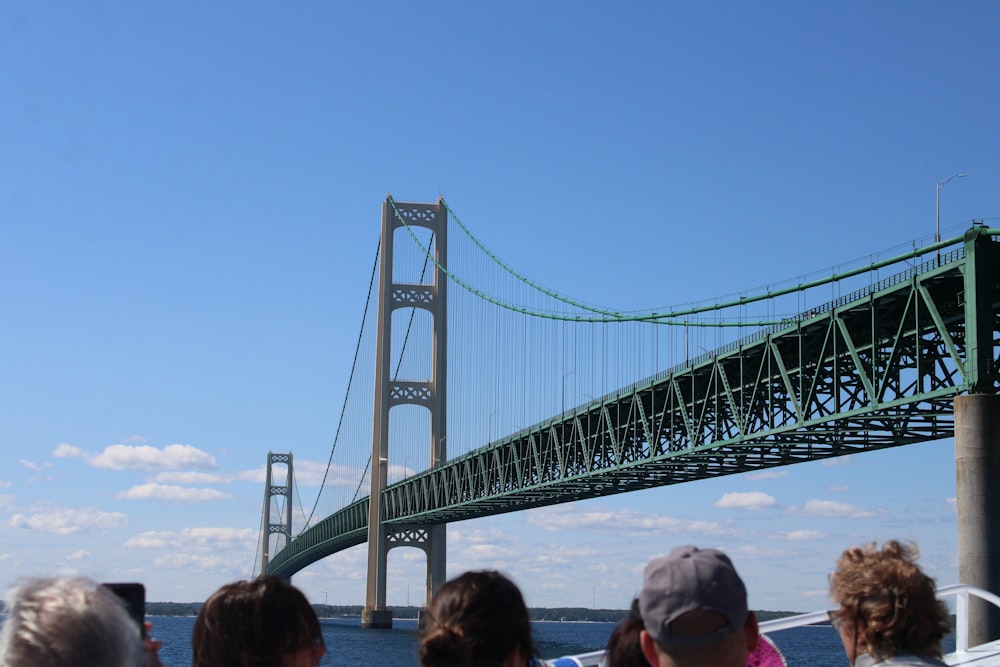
[(410, 612)]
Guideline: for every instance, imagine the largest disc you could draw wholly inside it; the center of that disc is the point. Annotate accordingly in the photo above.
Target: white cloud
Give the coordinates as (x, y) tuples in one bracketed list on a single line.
[(507, 552), (69, 521), (256, 475), (179, 477), (832, 508), (193, 561), (349, 565), (306, 474), (626, 520), (213, 539), (952, 503), (310, 473), (838, 461), (398, 472), (4, 484), (65, 451), (767, 551), (144, 457), (751, 500), (223, 551), (40, 478), (766, 474), (79, 554), (148, 540), (709, 527), (803, 535), (599, 569), (37, 467), (474, 535), (173, 493), (560, 554), (838, 488), (481, 554), (816, 593)]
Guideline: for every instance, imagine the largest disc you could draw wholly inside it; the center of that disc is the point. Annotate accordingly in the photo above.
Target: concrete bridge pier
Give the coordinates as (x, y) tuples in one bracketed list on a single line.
[(977, 476)]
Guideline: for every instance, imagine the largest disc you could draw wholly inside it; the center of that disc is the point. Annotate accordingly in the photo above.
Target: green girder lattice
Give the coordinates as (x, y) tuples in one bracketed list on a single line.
[(878, 368)]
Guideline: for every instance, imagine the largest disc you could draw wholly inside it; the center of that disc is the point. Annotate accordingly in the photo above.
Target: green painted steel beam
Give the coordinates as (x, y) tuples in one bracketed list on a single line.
[(878, 368), (982, 258)]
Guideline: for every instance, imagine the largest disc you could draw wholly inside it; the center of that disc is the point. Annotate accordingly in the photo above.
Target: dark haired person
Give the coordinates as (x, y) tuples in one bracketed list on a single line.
[(477, 619), (624, 648), (888, 611), (266, 622)]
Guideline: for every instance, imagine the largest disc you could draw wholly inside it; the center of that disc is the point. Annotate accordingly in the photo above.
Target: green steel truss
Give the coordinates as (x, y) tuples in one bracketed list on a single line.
[(878, 368)]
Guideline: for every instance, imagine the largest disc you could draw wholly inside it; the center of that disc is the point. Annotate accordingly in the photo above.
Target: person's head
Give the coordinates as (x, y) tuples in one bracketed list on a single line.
[(887, 605), (478, 618), (266, 622), (624, 648), (694, 611), (67, 622)]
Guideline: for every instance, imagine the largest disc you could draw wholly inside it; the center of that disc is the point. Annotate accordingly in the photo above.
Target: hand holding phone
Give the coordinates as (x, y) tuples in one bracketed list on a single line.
[(134, 596)]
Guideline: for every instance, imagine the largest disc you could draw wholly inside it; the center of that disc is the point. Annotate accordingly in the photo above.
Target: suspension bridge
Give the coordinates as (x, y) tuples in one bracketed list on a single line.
[(554, 400)]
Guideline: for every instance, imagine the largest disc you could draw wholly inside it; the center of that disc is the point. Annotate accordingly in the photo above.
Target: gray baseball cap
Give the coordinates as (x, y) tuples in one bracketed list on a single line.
[(687, 579)]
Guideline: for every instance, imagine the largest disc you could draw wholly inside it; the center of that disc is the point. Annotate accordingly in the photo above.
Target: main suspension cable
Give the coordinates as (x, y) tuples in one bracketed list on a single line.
[(350, 381), (668, 317)]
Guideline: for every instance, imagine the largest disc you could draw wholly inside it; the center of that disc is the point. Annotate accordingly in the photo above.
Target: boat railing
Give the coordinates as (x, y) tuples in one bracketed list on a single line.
[(987, 653), (961, 594)]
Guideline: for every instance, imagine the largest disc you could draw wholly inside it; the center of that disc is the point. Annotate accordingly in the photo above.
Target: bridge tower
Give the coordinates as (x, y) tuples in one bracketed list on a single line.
[(270, 491), (429, 393)]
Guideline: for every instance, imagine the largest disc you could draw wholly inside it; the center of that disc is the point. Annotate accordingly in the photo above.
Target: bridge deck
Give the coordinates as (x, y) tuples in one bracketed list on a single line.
[(878, 368)]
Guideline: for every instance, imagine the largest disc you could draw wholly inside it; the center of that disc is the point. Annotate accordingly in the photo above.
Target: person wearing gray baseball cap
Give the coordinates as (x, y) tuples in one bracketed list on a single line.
[(694, 610)]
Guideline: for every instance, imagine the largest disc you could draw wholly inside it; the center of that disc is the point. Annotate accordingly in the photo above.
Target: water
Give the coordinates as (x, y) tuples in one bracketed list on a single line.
[(349, 645)]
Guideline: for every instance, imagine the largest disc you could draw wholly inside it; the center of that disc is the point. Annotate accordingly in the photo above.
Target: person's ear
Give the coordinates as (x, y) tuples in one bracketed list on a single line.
[(514, 658), (649, 648), (752, 631)]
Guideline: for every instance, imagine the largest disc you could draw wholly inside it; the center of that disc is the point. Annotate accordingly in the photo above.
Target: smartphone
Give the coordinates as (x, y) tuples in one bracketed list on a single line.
[(134, 596)]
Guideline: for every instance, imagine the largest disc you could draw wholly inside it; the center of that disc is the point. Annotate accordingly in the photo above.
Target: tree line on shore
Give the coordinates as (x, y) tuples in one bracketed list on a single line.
[(567, 614)]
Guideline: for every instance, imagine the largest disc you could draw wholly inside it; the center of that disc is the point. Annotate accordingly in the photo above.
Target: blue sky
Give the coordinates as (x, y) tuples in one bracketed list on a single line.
[(189, 204)]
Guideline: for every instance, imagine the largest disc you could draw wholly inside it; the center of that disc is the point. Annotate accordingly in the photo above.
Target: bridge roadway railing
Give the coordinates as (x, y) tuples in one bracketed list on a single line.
[(878, 368)]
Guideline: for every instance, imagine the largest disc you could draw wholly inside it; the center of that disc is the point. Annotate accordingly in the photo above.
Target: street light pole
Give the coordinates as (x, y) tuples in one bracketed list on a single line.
[(941, 184)]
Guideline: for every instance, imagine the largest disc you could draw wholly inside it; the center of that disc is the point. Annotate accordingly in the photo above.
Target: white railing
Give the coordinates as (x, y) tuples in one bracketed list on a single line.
[(984, 654), (981, 655)]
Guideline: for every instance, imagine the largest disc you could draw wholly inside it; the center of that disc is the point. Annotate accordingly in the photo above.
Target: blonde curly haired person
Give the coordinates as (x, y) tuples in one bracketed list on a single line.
[(888, 611)]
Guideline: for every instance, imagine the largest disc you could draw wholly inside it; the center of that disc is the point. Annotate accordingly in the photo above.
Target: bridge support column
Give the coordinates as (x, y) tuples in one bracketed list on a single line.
[(435, 550), (376, 619), (977, 476), (390, 391)]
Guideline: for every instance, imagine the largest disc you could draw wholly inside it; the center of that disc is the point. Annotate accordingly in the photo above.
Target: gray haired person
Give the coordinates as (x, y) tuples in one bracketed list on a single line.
[(694, 611), (69, 621)]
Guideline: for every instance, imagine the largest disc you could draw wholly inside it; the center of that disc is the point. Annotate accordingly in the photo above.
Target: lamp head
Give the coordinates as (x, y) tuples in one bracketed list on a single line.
[(945, 182)]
